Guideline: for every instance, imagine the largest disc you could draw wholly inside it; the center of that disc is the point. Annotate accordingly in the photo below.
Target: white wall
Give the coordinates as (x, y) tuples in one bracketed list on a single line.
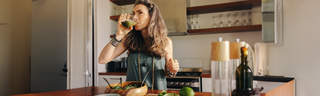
[(199, 46), (15, 41), (104, 28), (207, 2), (299, 54)]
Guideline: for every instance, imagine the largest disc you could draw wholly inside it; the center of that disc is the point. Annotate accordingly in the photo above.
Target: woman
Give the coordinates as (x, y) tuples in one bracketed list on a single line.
[(148, 46)]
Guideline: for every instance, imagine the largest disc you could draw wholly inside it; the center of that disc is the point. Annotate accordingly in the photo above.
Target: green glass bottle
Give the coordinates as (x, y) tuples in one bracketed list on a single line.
[(244, 73)]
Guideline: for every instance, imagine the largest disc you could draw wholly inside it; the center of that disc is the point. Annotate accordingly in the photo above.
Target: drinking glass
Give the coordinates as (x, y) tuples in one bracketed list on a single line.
[(236, 21), (214, 22), (191, 24), (134, 18), (196, 26), (249, 18), (130, 21), (123, 9), (116, 10), (244, 20), (229, 23), (221, 22), (120, 10), (188, 22)]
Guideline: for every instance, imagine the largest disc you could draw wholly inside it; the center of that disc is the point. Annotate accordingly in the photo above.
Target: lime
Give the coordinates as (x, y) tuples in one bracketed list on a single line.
[(186, 91), (162, 93), (128, 23), (171, 94)]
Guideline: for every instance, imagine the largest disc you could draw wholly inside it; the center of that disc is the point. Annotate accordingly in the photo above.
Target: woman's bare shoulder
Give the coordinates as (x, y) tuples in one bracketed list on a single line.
[(169, 41), (169, 44)]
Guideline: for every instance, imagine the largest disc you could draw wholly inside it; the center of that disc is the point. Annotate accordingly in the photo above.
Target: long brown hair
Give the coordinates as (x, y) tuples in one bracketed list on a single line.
[(157, 33)]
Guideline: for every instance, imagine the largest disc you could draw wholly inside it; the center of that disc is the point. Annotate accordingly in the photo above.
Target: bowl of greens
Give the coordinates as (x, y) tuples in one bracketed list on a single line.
[(129, 88)]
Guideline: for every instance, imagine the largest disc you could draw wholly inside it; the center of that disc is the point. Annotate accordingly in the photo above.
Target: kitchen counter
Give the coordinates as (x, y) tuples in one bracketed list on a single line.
[(205, 74), (91, 91), (112, 73), (270, 89)]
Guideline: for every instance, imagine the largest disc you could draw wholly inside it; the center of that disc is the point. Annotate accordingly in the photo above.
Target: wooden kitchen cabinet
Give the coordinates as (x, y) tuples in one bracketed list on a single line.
[(271, 88), (226, 29), (111, 79), (285, 89)]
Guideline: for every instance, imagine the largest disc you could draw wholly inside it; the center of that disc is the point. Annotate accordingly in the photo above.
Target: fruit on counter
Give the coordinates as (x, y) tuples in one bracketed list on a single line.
[(164, 93), (186, 91), (128, 23)]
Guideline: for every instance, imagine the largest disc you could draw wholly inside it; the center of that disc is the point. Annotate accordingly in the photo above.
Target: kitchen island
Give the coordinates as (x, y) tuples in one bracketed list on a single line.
[(93, 90)]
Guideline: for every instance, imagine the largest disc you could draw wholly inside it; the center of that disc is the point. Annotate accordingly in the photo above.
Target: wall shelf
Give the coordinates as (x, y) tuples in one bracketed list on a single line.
[(123, 2), (115, 18), (223, 30), (233, 6), (226, 29)]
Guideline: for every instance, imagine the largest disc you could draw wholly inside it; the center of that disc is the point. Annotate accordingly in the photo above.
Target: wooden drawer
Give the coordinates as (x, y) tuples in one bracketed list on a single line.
[(271, 88)]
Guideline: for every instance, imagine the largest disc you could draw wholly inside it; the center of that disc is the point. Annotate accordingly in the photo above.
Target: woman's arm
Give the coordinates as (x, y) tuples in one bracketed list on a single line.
[(109, 52), (172, 65)]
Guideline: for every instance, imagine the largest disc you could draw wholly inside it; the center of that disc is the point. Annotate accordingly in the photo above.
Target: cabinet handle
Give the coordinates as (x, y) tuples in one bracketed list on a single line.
[(278, 21)]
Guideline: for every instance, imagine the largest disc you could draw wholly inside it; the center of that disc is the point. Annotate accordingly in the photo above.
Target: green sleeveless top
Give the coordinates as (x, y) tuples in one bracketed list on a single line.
[(156, 77)]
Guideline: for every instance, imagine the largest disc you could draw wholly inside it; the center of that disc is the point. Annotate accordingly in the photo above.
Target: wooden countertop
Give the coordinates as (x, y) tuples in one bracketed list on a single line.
[(91, 91), (205, 74), (112, 73)]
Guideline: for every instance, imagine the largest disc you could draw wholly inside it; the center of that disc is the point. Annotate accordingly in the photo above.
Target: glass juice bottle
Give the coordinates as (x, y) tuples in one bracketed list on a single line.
[(220, 68), (244, 75)]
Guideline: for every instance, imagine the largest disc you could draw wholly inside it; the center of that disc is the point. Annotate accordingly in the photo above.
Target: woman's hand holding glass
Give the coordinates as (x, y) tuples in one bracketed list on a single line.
[(173, 65), (122, 30)]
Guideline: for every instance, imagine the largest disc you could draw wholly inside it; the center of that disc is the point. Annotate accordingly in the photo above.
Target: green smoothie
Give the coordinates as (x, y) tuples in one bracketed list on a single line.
[(128, 23)]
